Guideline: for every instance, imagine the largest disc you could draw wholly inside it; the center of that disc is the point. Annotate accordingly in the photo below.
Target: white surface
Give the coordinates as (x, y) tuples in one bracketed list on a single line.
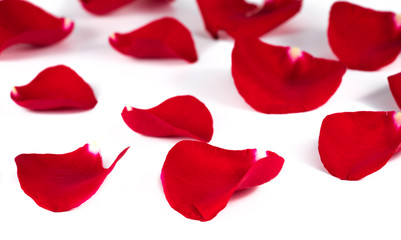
[(303, 202)]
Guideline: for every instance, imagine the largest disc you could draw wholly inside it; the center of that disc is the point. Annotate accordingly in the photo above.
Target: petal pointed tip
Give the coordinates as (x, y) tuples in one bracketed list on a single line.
[(294, 53), (129, 108), (113, 37), (94, 148), (68, 24), (397, 119), (14, 91), (397, 20)]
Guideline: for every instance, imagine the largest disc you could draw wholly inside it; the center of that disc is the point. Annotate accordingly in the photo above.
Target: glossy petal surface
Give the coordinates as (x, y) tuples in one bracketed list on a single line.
[(353, 145), (275, 79), (57, 87), (61, 182), (163, 38), (23, 22), (198, 179), (363, 38), (178, 116), (241, 19), (395, 87)]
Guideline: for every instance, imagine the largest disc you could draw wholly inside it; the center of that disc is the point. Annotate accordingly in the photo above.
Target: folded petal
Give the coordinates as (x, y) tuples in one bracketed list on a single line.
[(163, 38), (57, 87), (61, 182), (353, 145), (362, 38), (241, 19), (395, 87), (198, 179), (274, 79), (23, 22), (178, 116)]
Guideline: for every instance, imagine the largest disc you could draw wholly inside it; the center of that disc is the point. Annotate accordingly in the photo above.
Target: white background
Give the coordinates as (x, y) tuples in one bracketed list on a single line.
[(303, 202)]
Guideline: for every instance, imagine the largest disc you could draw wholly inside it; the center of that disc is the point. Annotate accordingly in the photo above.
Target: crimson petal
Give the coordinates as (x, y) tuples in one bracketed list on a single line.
[(103, 6), (163, 38), (239, 18), (57, 87), (61, 182), (198, 179), (23, 22), (178, 116), (362, 38), (353, 145), (395, 87), (275, 79)]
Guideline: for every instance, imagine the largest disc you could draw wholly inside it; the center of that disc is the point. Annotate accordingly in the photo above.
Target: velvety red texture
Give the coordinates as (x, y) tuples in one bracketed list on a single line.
[(163, 38), (241, 19), (23, 22), (353, 145), (61, 182), (101, 7), (395, 87), (362, 38), (198, 179), (178, 116), (57, 87), (274, 79)]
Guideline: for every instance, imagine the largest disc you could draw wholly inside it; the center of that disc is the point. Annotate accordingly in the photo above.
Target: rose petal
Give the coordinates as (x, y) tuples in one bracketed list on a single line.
[(103, 6), (61, 182), (57, 87), (353, 145), (178, 116), (23, 22), (363, 38), (275, 79), (239, 18), (395, 87), (198, 179), (163, 38)]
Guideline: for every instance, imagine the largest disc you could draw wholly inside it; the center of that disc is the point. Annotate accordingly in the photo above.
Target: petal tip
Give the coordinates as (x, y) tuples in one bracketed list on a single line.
[(397, 119), (14, 91), (113, 37), (129, 108), (397, 20), (294, 53), (94, 148), (68, 24)]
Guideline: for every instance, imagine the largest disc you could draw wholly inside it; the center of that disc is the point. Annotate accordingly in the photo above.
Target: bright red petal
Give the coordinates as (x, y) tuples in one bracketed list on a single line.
[(395, 87), (198, 179), (163, 38), (363, 38), (103, 6), (275, 79), (56, 87), (353, 145), (241, 19), (61, 182), (23, 22), (178, 116)]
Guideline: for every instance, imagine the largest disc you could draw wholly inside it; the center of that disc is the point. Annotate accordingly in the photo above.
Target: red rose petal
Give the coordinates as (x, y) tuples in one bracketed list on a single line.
[(178, 116), (57, 87), (395, 87), (275, 79), (103, 6), (61, 182), (23, 22), (198, 179), (239, 18), (163, 38), (353, 145), (363, 38)]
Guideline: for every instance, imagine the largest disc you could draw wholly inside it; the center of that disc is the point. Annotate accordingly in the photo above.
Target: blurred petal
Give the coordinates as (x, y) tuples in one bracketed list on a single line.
[(395, 87)]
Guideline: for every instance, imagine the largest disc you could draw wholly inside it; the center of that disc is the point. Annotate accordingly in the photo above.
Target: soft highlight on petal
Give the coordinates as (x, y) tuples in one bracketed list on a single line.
[(363, 38), (23, 22), (274, 79), (241, 19), (61, 182), (353, 145), (178, 116), (199, 179), (57, 87), (163, 38), (395, 87)]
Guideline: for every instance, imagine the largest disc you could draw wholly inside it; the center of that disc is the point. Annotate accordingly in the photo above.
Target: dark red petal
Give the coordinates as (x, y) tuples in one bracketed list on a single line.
[(353, 145), (275, 79), (198, 179), (241, 19), (61, 182), (103, 6), (23, 22), (57, 87), (395, 87), (363, 38), (163, 38), (178, 116)]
